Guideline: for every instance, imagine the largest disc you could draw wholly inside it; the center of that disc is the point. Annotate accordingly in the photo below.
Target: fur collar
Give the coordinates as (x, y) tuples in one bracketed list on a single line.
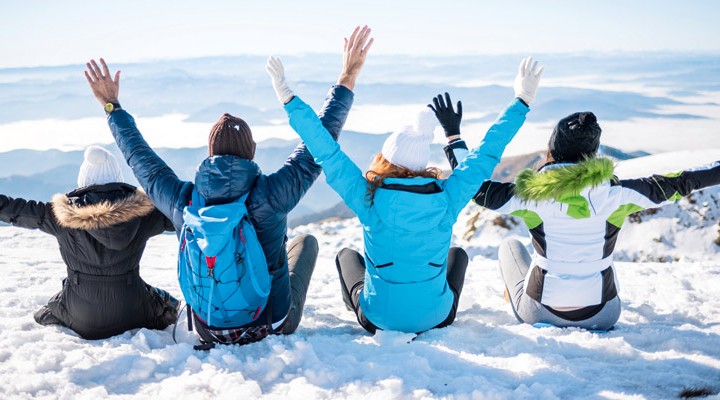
[(101, 215), (558, 183)]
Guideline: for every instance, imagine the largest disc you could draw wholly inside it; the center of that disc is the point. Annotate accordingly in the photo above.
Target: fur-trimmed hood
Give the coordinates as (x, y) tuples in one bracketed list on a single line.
[(563, 181), (110, 213)]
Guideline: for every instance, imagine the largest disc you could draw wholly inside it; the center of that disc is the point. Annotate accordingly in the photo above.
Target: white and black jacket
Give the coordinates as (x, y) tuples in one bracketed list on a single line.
[(574, 213)]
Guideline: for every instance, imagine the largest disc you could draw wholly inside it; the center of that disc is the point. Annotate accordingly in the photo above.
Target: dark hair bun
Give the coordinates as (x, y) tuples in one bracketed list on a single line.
[(587, 118)]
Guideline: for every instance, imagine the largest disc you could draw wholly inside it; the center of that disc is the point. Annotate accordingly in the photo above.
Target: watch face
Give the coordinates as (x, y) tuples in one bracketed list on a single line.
[(109, 107)]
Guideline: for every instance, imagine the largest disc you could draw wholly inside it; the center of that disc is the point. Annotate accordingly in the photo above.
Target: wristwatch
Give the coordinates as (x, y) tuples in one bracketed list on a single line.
[(110, 107)]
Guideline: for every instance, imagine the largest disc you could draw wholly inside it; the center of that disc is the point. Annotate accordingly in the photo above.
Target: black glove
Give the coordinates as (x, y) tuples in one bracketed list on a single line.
[(449, 120)]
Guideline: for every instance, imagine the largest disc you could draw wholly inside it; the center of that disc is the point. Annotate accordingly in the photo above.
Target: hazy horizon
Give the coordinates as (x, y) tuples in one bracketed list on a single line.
[(40, 33)]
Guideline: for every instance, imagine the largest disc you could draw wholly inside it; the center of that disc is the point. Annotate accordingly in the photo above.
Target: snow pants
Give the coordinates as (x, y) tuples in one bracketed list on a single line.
[(139, 305)]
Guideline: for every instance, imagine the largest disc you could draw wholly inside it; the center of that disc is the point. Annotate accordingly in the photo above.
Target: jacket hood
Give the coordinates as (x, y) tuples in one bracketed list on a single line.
[(223, 179), (110, 213), (563, 181)]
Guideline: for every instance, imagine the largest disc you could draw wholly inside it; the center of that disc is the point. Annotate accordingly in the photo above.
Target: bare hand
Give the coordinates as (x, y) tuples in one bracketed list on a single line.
[(354, 53), (104, 87)]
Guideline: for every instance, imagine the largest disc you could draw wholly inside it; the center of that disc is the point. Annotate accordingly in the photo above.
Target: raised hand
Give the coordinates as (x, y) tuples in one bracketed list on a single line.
[(275, 69), (354, 53), (449, 119), (528, 79), (104, 87)]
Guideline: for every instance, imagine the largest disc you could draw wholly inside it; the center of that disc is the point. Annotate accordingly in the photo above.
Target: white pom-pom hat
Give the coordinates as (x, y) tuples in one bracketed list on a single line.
[(409, 147), (98, 168)]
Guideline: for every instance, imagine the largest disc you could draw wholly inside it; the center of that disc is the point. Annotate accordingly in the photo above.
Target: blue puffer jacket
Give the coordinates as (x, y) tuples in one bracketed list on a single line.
[(408, 227), (221, 179)]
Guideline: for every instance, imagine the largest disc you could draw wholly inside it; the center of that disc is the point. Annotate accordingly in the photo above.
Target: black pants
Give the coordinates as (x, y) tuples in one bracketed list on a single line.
[(142, 306), (351, 268)]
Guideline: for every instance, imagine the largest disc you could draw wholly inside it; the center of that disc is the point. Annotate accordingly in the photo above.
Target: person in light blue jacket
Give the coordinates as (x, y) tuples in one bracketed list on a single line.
[(410, 282)]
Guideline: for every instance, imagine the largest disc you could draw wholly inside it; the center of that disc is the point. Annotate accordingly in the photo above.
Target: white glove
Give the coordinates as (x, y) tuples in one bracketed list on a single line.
[(528, 79), (274, 68)]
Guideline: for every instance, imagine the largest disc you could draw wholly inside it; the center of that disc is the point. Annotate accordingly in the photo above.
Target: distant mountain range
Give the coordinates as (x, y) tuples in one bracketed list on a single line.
[(204, 88)]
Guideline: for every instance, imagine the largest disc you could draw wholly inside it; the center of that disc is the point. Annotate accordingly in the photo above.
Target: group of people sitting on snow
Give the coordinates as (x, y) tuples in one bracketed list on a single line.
[(241, 278)]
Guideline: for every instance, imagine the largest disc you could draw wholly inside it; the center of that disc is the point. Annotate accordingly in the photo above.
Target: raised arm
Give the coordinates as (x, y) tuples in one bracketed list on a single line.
[(158, 180), (493, 195), (659, 190), (341, 172), (480, 162), (300, 169), (28, 214)]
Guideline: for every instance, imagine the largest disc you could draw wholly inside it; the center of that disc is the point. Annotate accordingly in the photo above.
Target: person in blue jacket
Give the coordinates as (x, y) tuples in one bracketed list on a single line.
[(229, 172), (407, 280)]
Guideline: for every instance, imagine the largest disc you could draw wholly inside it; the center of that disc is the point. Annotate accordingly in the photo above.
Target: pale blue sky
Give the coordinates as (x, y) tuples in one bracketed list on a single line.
[(36, 32)]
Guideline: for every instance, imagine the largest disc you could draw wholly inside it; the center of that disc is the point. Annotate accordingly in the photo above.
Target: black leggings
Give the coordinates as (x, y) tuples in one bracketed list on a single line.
[(351, 268)]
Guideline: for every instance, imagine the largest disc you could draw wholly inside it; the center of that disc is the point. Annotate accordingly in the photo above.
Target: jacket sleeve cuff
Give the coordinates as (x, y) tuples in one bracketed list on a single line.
[(456, 144), (521, 101), (293, 105), (341, 93)]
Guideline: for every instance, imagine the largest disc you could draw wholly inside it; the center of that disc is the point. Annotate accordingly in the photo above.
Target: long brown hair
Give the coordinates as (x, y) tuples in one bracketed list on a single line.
[(381, 169)]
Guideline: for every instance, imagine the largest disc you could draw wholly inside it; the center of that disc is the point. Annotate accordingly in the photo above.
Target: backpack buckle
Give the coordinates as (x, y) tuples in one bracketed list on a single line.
[(211, 266)]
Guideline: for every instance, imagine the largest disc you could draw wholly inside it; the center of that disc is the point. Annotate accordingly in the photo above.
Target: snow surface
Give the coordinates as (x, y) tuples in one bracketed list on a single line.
[(667, 339)]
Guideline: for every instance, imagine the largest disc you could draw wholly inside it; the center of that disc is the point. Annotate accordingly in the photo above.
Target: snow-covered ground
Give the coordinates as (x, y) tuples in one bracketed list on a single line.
[(667, 339)]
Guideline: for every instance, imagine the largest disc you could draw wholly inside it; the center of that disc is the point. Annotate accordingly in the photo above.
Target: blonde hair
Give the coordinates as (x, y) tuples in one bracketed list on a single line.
[(381, 169)]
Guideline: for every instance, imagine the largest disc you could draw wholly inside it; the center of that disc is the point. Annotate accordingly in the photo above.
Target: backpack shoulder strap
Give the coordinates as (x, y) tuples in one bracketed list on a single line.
[(242, 199), (196, 200)]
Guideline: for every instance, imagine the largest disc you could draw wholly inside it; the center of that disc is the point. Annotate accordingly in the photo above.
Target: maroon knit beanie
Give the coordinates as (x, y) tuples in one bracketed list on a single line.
[(231, 136)]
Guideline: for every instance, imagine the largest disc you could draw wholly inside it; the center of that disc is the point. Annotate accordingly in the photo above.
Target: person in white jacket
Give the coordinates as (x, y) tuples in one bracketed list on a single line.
[(574, 207)]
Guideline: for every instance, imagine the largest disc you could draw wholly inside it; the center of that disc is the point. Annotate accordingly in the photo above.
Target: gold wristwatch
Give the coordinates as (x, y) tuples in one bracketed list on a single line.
[(110, 107)]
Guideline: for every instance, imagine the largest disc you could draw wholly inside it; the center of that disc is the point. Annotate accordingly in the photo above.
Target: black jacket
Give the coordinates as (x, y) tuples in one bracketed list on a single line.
[(102, 231)]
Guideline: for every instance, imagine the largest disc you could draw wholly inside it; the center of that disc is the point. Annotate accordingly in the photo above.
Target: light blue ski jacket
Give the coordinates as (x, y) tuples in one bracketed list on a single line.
[(408, 226)]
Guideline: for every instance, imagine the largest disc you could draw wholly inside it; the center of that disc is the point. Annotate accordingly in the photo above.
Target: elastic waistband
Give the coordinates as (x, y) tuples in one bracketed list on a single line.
[(129, 278), (572, 268)]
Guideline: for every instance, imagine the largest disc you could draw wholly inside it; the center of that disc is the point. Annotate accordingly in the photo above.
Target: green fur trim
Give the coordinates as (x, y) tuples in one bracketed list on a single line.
[(563, 183)]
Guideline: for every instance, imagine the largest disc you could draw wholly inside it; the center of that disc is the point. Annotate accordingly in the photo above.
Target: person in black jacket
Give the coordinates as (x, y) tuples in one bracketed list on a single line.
[(102, 228), (229, 173)]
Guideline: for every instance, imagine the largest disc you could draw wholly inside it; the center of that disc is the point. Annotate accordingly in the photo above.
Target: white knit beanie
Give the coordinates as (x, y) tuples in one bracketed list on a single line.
[(100, 167), (410, 146)]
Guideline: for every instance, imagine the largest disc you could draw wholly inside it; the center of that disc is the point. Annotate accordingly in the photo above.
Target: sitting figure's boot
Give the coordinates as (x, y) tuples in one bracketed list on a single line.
[(43, 316), (166, 307)]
